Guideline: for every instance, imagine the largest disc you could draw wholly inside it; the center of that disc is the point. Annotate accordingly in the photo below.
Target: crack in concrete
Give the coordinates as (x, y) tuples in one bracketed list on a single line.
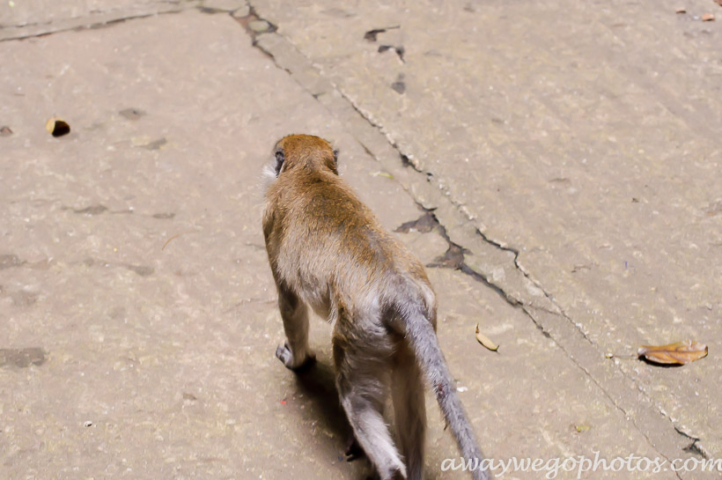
[(246, 22), (693, 447), (454, 258), (513, 301), (97, 19), (407, 160), (528, 309), (608, 396)]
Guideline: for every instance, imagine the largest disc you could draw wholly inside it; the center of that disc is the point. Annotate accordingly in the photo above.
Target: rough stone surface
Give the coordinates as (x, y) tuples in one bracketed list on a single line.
[(583, 136), (259, 26), (137, 311)]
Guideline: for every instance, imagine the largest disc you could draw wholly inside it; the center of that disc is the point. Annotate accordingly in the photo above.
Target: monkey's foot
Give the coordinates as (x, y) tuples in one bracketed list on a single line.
[(285, 355), (353, 449)]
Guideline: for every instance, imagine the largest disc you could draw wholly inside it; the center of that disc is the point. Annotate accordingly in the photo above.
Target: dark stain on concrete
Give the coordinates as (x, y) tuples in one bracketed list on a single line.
[(453, 258), (118, 313), (400, 50), (424, 224), (372, 35), (156, 144), (92, 210), (23, 298), (10, 261), (132, 113), (714, 208), (211, 11), (399, 86), (142, 270), (21, 357), (562, 180)]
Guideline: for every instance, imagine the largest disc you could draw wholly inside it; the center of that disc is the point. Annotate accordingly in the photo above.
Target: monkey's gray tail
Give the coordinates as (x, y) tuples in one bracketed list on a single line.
[(422, 338)]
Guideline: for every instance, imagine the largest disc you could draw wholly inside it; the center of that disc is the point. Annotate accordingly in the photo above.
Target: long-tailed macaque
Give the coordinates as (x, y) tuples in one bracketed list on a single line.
[(327, 250)]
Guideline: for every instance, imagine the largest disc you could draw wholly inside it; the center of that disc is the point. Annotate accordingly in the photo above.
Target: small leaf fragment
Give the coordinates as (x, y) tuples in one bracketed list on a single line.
[(680, 10), (382, 174), (57, 127), (485, 341), (708, 17), (679, 353), (5, 131), (582, 428)]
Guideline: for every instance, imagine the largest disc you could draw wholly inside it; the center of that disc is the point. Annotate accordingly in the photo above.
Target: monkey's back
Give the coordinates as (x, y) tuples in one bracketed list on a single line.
[(339, 252)]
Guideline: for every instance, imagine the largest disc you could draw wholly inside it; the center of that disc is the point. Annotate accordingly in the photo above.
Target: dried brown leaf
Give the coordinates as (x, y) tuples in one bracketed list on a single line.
[(486, 341), (679, 353), (708, 17)]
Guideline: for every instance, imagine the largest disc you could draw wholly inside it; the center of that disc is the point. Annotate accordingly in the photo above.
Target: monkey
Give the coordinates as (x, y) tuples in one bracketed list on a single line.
[(327, 250)]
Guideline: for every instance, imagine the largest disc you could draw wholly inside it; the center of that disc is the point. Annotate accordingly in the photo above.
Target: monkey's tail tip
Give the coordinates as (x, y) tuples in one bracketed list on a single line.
[(422, 339)]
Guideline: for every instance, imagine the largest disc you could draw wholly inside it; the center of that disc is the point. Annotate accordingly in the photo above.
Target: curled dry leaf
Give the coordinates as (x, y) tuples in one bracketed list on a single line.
[(678, 353), (680, 10), (486, 341), (708, 17), (57, 127)]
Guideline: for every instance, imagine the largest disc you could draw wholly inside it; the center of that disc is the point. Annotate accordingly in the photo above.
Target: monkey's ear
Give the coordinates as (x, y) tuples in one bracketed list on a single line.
[(280, 158)]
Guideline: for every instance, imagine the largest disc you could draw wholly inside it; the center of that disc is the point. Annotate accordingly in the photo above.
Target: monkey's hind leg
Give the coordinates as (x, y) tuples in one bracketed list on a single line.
[(295, 353), (407, 391), (362, 396)]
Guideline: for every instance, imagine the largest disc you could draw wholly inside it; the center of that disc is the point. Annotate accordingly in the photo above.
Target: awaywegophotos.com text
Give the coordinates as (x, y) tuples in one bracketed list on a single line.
[(581, 464)]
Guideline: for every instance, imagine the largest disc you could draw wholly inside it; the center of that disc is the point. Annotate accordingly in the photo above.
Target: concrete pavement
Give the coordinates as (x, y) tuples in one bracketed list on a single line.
[(569, 149)]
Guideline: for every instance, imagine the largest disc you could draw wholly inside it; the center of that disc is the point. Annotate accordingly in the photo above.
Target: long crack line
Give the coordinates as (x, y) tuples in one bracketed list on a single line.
[(86, 23), (407, 160)]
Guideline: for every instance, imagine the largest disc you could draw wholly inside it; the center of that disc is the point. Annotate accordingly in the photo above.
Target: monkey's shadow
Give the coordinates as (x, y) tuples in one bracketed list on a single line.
[(317, 382)]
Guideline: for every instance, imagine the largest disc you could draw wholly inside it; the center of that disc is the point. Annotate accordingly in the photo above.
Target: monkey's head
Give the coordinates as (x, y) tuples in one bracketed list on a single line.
[(304, 152)]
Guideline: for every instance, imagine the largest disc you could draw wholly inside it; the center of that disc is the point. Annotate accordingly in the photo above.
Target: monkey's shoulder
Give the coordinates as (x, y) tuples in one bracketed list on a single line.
[(328, 197), (325, 214)]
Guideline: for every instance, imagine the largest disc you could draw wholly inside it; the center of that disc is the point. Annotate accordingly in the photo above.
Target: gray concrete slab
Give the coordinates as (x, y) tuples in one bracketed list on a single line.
[(137, 313), (581, 136)]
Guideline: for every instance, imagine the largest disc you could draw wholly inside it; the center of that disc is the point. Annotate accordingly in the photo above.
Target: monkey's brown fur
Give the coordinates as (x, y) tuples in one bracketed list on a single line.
[(327, 250)]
